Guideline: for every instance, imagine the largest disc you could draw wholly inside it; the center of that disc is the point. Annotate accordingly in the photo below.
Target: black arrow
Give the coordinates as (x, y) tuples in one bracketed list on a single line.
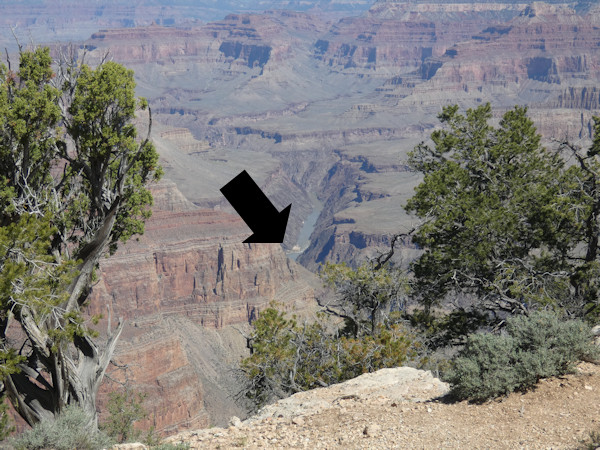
[(250, 202)]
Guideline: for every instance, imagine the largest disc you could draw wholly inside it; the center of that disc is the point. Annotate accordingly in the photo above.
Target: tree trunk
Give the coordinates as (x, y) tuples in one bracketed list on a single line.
[(58, 374), (43, 391)]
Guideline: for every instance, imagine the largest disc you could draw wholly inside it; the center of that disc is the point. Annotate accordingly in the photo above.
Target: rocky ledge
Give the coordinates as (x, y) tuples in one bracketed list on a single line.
[(384, 387), (401, 408)]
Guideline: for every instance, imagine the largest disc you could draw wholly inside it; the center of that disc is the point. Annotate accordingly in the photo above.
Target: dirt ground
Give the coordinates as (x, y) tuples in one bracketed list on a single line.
[(558, 414)]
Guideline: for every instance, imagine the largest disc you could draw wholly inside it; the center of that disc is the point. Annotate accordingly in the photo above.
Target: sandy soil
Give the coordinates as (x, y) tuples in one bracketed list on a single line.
[(559, 414)]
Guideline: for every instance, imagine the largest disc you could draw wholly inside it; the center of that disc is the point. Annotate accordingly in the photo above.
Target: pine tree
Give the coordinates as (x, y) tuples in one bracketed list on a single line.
[(498, 215)]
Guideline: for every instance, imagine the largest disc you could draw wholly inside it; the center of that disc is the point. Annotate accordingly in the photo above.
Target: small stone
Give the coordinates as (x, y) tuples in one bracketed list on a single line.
[(235, 421), (589, 388), (298, 421), (130, 446), (371, 430)]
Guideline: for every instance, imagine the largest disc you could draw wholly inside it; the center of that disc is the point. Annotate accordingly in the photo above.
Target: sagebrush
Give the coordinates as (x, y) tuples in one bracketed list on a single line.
[(70, 430), (532, 347)]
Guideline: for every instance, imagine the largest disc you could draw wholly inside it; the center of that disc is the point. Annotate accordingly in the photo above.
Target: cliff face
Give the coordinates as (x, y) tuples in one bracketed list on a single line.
[(43, 21), (547, 43), (363, 200), (181, 287), (401, 35), (211, 277), (330, 110), (546, 57), (243, 40)]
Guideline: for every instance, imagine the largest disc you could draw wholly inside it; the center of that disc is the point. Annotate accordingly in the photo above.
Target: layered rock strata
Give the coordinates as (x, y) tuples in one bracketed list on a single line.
[(401, 35), (182, 288), (332, 109), (244, 40), (545, 57)]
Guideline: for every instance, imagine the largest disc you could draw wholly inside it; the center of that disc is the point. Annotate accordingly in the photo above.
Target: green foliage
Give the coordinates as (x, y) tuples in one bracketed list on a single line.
[(288, 357), (502, 193), (390, 346), (272, 358), (365, 296), (73, 176), (442, 330), (181, 446), (68, 431), (30, 276), (29, 113), (484, 368), (6, 423), (102, 110), (539, 346), (125, 408), (151, 439)]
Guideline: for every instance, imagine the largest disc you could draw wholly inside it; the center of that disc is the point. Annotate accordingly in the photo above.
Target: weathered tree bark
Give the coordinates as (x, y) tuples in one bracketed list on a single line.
[(97, 200), (51, 379), (37, 398)]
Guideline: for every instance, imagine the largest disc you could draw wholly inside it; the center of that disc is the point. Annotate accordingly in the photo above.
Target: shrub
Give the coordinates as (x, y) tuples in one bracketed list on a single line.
[(365, 295), (443, 330), (6, 425), (392, 346), (288, 357), (484, 368), (593, 442), (179, 446), (534, 347), (68, 431), (550, 346), (125, 408)]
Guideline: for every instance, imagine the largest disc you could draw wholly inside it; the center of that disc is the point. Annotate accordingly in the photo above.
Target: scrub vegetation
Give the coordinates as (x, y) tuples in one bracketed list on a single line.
[(505, 286)]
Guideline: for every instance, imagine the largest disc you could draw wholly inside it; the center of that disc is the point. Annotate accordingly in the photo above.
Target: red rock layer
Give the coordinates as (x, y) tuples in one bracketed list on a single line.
[(189, 271), (546, 43), (401, 35), (243, 39)]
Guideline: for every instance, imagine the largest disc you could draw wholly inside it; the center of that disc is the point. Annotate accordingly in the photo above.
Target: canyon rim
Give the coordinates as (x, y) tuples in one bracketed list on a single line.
[(320, 106)]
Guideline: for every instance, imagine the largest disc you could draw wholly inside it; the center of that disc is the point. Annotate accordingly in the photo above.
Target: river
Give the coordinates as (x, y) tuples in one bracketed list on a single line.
[(307, 228)]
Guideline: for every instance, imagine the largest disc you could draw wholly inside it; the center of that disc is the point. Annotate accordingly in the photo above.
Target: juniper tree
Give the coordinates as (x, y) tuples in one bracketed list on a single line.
[(365, 296), (504, 218), (289, 357), (72, 185)]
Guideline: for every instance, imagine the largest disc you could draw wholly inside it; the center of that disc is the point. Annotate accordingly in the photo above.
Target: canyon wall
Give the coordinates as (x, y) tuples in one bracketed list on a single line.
[(401, 35), (330, 109), (44, 22), (312, 108), (244, 40), (183, 288)]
